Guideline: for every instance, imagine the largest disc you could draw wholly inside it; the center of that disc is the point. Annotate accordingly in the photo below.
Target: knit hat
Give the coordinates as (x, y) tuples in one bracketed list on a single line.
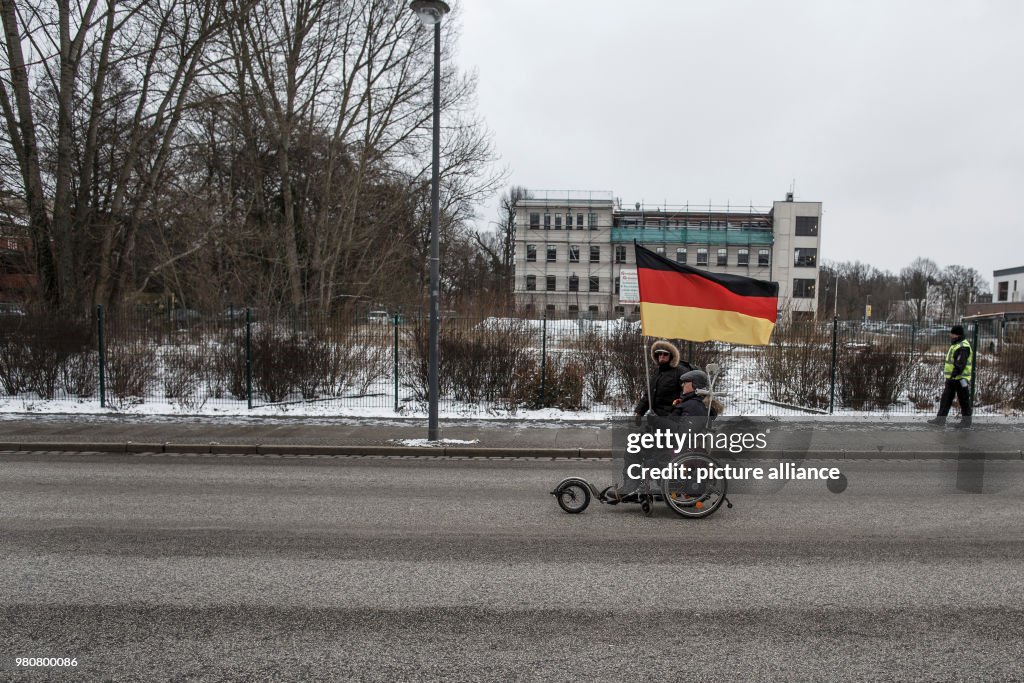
[(958, 330)]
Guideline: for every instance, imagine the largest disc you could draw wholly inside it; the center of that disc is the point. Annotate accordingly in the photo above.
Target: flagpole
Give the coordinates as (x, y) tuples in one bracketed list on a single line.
[(644, 342)]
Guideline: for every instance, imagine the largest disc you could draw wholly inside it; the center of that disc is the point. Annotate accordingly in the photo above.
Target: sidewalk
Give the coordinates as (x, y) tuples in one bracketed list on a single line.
[(829, 438)]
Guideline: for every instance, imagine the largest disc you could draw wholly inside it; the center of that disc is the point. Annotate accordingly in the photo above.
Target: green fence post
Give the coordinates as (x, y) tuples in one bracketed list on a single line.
[(913, 339), (248, 357), (396, 362), (832, 382), (543, 358), (103, 356), (974, 370)]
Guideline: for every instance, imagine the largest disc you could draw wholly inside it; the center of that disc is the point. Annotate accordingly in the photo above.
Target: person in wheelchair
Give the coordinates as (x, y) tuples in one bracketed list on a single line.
[(689, 412), (692, 402)]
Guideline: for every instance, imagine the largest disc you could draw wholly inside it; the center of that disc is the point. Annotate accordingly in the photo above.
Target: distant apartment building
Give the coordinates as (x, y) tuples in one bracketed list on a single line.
[(571, 247)]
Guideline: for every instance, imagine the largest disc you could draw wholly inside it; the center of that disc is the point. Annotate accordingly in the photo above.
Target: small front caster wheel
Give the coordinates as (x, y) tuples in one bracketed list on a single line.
[(573, 497)]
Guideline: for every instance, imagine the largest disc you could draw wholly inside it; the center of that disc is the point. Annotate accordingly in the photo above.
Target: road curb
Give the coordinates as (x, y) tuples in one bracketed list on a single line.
[(474, 452)]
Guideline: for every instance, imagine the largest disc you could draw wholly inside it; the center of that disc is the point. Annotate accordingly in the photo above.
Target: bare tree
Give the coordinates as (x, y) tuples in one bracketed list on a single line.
[(115, 76)]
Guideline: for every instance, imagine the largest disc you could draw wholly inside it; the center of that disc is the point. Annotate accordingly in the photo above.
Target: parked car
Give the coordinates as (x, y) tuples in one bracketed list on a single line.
[(185, 315), (379, 317), (11, 310)]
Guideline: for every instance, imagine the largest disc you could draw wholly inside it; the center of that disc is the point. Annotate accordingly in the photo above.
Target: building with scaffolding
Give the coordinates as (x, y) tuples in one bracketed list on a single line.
[(571, 247)]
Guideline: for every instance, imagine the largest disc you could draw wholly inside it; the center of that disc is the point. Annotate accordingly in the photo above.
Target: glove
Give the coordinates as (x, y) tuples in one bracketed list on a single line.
[(963, 383), (638, 419)]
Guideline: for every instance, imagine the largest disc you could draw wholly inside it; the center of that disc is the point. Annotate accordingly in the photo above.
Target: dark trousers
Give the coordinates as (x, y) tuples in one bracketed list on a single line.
[(963, 397)]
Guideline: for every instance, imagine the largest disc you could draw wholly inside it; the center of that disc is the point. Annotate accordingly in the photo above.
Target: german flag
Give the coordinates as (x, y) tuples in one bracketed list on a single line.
[(680, 302)]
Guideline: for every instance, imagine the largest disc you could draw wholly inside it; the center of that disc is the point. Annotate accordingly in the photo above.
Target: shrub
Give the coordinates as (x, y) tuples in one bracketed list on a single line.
[(80, 374), (796, 367), (1001, 384), (34, 355), (561, 385), (493, 362), (130, 370), (228, 367), (276, 364), (591, 349), (624, 348), (872, 375), (14, 353), (184, 371)]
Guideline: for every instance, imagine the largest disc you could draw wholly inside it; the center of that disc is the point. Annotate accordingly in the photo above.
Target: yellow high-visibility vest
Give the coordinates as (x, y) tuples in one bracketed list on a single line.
[(948, 368)]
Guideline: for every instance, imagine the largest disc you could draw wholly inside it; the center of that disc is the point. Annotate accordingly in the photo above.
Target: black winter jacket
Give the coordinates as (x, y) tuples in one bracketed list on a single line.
[(664, 386), (691, 405)]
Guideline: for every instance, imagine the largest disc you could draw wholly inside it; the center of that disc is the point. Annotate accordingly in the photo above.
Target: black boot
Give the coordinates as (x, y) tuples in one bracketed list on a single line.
[(965, 423), (938, 421)]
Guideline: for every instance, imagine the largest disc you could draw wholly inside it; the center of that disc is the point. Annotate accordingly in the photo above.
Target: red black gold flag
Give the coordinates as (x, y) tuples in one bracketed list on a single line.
[(680, 302)]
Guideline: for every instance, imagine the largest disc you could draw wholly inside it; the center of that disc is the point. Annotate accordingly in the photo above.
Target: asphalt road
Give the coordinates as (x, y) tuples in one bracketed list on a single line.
[(334, 568)]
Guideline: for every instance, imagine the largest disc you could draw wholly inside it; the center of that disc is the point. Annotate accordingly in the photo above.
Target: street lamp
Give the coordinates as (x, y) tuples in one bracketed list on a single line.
[(430, 13)]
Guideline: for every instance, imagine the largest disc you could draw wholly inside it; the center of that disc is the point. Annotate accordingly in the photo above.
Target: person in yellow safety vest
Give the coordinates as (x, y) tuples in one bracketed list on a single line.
[(957, 371)]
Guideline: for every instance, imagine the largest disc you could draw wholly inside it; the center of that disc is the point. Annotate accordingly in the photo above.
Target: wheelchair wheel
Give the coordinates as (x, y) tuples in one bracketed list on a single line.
[(573, 496), (689, 498)]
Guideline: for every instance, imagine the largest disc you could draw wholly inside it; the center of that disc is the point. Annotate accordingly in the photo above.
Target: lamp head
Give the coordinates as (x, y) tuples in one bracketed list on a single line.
[(429, 11)]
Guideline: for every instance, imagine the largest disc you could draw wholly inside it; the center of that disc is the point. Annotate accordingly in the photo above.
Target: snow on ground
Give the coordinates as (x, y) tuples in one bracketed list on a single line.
[(439, 442)]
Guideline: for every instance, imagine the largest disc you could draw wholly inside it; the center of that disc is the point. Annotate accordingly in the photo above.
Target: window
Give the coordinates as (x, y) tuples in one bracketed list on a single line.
[(803, 288), (552, 254), (531, 252), (620, 309), (1004, 291), (681, 255), (616, 285), (573, 308), (595, 283), (743, 257), (550, 307), (547, 221), (568, 221), (660, 251), (579, 221), (620, 254), (534, 221), (574, 254), (763, 258), (531, 283), (805, 257), (574, 283), (807, 226), (592, 221), (723, 257), (702, 256), (551, 283), (595, 254), (558, 222), (592, 309)]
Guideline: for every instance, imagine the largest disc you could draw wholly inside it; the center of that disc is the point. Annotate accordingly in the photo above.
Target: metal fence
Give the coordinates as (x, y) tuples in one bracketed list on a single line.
[(239, 360)]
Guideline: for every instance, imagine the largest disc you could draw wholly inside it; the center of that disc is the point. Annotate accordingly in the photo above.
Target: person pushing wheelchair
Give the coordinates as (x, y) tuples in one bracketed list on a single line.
[(673, 387)]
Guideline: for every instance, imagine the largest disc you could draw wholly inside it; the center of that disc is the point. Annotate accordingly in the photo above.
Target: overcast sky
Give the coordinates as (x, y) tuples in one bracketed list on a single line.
[(905, 119)]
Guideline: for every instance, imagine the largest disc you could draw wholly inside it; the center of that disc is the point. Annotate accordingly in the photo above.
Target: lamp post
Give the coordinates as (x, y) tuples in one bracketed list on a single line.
[(430, 13)]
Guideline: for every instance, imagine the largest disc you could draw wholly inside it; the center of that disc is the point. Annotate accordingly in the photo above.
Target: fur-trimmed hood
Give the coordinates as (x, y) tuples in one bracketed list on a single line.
[(662, 345)]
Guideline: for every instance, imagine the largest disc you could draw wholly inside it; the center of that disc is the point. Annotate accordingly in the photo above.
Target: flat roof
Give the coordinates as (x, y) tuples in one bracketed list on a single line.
[(1008, 271)]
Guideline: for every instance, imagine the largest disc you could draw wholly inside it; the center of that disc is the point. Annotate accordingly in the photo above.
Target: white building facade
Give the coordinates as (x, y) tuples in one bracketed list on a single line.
[(1008, 285), (571, 246)]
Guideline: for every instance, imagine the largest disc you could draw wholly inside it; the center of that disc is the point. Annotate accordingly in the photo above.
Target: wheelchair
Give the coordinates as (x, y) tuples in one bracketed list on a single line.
[(684, 495)]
